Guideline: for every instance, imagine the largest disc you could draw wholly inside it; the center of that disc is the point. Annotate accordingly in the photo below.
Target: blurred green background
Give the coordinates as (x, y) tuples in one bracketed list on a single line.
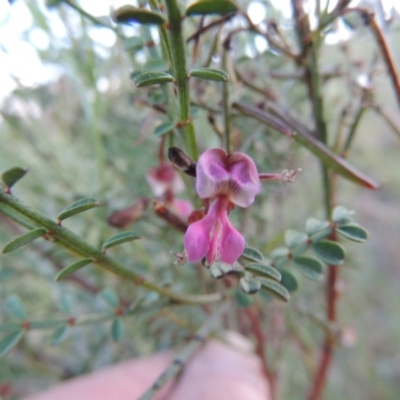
[(71, 114)]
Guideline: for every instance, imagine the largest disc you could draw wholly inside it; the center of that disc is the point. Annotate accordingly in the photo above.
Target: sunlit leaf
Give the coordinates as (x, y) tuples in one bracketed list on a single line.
[(294, 238)]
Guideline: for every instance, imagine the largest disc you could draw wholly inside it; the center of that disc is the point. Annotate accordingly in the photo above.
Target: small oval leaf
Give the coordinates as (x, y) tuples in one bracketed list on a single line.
[(133, 43), (294, 238), (72, 268), (78, 207), (309, 267), (341, 215), (288, 280), (353, 232), (210, 74), (117, 329), (264, 270), (164, 128), (249, 285), (152, 78), (12, 176), (206, 7), (242, 299), (314, 225), (24, 239), (329, 252), (9, 341), (129, 14), (250, 254), (110, 297), (59, 335), (275, 289), (280, 253), (13, 307), (121, 238)]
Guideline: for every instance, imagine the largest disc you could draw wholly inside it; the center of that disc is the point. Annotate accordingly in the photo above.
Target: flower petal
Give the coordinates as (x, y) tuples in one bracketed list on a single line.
[(197, 236), (211, 172), (245, 182), (232, 242)]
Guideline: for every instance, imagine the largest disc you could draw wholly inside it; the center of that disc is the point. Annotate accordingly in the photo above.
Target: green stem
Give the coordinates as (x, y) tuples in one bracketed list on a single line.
[(77, 245), (352, 132), (225, 105), (177, 44)]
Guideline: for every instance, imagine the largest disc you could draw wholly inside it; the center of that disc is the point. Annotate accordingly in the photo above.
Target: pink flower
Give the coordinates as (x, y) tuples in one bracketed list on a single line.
[(224, 180)]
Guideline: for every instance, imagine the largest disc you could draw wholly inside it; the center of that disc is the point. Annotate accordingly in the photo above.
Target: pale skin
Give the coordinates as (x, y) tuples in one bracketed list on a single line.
[(216, 372)]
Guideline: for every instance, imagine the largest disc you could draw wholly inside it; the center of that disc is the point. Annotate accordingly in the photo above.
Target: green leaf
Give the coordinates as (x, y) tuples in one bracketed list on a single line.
[(156, 65), (242, 299), (251, 254), (280, 253), (78, 207), (65, 303), (309, 267), (353, 232), (117, 329), (164, 128), (206, 7), (13, 307), (216, 271), (12, 176), (329, 252), (121, 238), (210, 74), (133, 43), (275, 289), (24, 239), (152, 78), (314, 225), (129, 14), (249, 285), (72, 268), (9, 341), (294, 238), (110, 297), (59, 335), (341, 215), (288, 280), (264, 270)]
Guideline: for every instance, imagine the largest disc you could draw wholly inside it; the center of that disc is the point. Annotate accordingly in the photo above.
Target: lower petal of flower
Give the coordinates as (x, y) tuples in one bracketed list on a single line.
[(232, 242)]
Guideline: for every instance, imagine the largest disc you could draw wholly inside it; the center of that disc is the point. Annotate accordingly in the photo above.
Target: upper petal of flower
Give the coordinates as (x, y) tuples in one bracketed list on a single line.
[(211, 173), (245, 182)]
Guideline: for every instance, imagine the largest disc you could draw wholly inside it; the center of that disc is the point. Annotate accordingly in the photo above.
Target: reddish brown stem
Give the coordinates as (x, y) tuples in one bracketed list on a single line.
[(254, 318), (329, 342)]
